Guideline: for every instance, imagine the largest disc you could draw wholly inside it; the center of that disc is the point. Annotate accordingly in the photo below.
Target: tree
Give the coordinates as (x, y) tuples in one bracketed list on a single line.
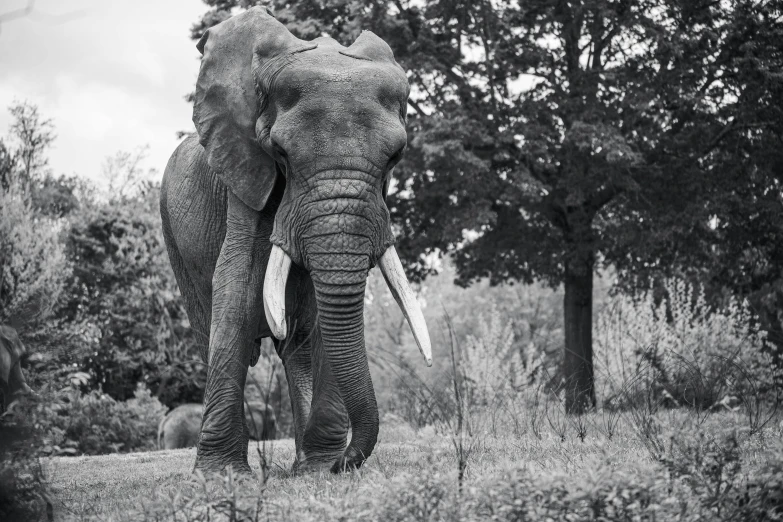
[(720, 222), (23, 162), (551, 137), (34, 135), (121, 319), (33, 267)]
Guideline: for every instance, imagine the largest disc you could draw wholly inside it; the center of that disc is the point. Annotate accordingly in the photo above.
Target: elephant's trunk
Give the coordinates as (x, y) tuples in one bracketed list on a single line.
[(340, 301)]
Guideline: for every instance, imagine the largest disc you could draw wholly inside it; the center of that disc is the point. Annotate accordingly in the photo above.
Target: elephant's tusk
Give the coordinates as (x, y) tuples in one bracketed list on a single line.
[(391, 267), (274, 291)]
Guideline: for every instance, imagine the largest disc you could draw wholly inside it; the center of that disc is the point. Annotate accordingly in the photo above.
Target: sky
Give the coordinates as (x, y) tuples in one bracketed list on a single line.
[(111, 74)]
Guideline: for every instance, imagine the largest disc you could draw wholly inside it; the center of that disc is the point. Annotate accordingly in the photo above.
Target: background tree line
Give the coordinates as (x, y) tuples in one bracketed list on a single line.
[(85, 277), (549, 139)]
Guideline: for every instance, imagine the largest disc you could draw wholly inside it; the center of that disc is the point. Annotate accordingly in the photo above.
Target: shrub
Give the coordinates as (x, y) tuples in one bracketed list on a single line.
[(33, 266), (488, 381), (525, 493), (418, 499), (531, 313), (23, 492), (761, 498), (94, 423), (623, 494), (488, 363), (688, 351), (710, 467), (122, 319)]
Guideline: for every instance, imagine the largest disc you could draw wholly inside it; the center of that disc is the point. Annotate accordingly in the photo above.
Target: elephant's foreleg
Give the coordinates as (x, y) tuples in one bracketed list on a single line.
[(236, 311)]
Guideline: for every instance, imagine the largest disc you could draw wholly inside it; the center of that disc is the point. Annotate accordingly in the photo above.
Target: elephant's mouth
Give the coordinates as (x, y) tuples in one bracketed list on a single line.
[(274, 296)]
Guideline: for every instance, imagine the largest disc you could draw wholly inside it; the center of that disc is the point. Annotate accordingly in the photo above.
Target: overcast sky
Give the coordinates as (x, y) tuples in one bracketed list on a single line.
[(112, 76)]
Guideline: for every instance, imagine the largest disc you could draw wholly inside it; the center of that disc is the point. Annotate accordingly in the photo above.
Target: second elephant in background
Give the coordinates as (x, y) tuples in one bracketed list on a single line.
[(180, 427)]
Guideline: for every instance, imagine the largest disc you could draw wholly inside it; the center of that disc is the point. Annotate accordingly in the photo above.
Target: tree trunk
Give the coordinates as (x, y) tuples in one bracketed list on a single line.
[(578, 358)]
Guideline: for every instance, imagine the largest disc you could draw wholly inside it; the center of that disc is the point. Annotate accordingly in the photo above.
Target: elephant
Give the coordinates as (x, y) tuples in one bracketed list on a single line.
[(180, 427), (12, 381), (273, 217)]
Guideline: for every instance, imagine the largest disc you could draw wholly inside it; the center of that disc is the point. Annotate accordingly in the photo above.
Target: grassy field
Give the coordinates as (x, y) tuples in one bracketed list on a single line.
[(700, 473)]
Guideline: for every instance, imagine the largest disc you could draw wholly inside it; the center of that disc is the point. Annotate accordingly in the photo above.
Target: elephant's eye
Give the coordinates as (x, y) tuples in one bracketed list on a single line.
[(281, 158), (279, 151), (395, 158)]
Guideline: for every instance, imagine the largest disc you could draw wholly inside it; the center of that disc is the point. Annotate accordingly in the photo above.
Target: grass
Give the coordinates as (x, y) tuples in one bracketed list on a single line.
[(412, 475)]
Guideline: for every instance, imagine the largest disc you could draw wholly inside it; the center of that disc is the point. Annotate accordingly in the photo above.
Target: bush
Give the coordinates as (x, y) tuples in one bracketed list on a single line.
[(490, 365), (33, 266), (691, 353), (624, 494), (762, 496), (122, 319), (23, 491), (487, 376), (76, 423)]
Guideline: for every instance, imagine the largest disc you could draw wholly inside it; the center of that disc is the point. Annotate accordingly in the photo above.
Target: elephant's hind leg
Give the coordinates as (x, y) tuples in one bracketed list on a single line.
[(295, 353), (198, 314)]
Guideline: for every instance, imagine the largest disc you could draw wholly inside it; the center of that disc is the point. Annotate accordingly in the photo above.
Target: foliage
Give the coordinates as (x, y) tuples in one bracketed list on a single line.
[(23, 490), (76, 423), (761, 497), (88, 274), (33, 266), (491, 366), (33, 136), (701, 486), (529, 312), (690, 349), (124, 311)]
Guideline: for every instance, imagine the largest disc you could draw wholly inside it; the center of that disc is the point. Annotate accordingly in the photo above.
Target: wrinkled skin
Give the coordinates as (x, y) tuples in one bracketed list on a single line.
[(180, 427), (12, 381), (296, 145)]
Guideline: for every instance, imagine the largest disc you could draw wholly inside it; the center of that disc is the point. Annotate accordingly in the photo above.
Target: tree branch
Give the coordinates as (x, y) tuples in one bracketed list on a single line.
[(416, 107), (602, 197), (29, 10)]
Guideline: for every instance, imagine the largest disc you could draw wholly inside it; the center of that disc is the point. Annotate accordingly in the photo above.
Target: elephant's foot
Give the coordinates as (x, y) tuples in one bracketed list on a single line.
[(207, 464), (313, 462), (323, 443), (350, 460)]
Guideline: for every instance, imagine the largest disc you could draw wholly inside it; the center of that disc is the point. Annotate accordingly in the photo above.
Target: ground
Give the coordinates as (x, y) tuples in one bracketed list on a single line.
[(414, 475)]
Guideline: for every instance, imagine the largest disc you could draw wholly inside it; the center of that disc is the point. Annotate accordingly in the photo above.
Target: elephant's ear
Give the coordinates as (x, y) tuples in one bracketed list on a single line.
[(226, 104), (369, 46)]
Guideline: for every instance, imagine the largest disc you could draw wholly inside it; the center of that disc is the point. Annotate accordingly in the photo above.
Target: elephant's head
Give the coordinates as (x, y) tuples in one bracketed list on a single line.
[(329, 122)]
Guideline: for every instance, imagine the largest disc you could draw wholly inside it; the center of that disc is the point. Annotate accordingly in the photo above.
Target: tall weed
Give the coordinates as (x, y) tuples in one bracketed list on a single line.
[(689, 348)]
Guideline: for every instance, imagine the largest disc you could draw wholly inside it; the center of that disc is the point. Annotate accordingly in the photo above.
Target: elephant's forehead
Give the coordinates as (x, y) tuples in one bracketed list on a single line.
[(328, 69)]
